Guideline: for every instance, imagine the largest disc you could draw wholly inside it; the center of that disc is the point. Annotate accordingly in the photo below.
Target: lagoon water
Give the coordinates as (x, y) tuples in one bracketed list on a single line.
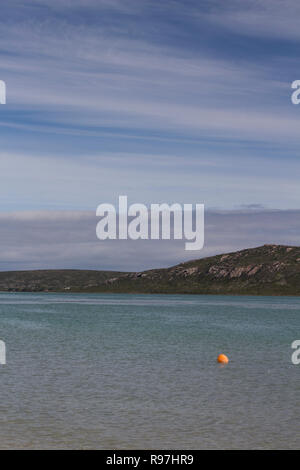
[(140, 372)]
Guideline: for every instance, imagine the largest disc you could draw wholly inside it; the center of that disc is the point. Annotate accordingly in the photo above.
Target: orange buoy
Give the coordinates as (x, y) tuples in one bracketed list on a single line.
[(222, 359)]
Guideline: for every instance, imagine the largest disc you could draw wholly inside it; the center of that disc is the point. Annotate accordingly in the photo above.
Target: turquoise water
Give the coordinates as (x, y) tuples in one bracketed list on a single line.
[(134, 372)]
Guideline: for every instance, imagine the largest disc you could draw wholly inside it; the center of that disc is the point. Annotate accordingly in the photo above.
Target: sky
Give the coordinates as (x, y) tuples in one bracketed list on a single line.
[(176, 101), (66, 240)]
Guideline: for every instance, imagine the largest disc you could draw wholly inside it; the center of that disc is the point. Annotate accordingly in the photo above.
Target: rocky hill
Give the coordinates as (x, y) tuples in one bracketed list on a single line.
[(266, 270)]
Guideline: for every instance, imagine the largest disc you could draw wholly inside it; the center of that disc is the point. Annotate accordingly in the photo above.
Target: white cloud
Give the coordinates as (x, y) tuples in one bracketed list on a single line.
[(69, 79), (260, 18), (82, 77)]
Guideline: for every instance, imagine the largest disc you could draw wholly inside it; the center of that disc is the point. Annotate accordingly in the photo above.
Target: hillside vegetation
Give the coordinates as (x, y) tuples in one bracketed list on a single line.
[(266, 270)]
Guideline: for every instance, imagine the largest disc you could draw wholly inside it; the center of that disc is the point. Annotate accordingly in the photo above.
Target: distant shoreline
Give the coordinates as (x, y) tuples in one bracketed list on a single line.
[(147, 293), (269, 270)]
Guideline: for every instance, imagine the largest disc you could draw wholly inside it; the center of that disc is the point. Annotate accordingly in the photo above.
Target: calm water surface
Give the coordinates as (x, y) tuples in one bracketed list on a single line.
[(134, 372)]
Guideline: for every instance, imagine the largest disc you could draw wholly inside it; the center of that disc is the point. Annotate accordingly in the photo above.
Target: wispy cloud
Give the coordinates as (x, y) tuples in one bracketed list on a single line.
[(96, 75), (264, 18), (171, 100)]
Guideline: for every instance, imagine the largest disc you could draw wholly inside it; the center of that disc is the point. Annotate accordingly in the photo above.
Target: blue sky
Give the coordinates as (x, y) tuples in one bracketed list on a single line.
[(181, 101), (173, 101)]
